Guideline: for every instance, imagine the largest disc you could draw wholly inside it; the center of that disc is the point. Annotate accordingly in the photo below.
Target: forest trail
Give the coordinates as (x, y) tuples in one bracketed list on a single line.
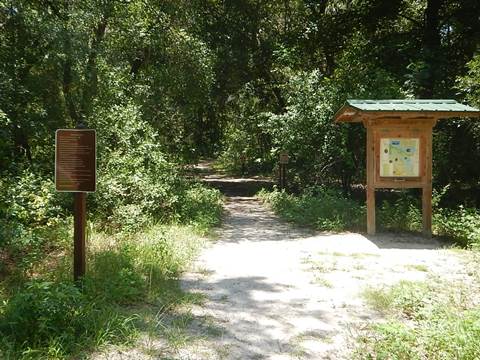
[(275, 291)]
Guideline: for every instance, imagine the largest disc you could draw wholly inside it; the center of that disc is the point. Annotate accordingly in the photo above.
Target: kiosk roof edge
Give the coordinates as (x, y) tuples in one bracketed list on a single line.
[(441, 108)]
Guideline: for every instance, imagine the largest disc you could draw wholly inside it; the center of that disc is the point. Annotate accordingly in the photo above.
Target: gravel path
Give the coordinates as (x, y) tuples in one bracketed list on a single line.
[(278, 292)]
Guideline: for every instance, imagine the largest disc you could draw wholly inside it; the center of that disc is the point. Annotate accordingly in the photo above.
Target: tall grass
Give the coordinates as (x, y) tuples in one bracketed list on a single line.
[(49, 317), (321, 208), (329, 210), (425, 320)]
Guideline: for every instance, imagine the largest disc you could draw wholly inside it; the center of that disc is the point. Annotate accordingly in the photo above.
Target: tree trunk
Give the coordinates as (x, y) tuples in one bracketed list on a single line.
[(431, 48)]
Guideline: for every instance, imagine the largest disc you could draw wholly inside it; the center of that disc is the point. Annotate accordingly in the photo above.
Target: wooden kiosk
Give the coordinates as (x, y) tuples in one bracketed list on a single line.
[(399, 145)]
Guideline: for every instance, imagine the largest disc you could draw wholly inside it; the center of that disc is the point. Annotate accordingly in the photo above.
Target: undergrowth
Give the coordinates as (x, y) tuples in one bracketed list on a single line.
[(43, 314), (424, 320), (321, 208), (329, 210)]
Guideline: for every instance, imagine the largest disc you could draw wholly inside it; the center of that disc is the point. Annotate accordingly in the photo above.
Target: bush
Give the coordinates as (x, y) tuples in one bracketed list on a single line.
[(402, 214), (50, 315), (137, 183), (440, 323), (327, 209), (47, 317), (461, 225), (201, 206), (321, 208), (28, 197)]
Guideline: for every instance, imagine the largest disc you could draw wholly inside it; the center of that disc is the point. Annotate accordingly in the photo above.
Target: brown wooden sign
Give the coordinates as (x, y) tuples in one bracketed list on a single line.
[(75, 160), (284, 158)]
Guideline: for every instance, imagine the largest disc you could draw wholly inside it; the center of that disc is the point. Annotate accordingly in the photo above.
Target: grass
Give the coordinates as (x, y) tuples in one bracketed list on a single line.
[(320, 208), (297, 348), (130, 276), (424, 320), (417, 267), (327, 209), (321, 266), (323, 282)]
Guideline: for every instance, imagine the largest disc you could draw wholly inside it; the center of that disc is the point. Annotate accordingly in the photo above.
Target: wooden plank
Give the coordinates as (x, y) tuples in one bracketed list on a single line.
[(427, 210), (415, 114), (402, 123), (371, 228), (398, 184)]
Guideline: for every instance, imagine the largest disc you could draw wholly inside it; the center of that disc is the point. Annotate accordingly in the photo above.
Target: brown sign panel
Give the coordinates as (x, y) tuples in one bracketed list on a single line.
[(284, 158), (75, 160)]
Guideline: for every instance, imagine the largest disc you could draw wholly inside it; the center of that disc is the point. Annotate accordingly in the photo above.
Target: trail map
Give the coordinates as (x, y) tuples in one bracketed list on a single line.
[(399, 157)]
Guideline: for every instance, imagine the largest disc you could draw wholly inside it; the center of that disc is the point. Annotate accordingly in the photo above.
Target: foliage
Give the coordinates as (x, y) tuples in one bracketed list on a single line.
[(442, 323), (51, 317), (461, 225), (246, 143), (324, 209), (201, 207), (400, 214), (55, 319)]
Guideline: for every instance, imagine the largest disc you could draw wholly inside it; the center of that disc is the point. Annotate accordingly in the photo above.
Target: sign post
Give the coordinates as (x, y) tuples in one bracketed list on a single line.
[(283, 161), (79, 251), (75, 171)]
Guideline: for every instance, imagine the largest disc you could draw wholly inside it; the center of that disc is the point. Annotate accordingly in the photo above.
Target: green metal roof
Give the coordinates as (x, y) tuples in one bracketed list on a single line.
[(355, 110), (409, 105)]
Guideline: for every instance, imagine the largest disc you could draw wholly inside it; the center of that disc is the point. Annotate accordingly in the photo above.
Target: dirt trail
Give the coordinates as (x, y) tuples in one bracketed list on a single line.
[(275, 291), (279, 292)]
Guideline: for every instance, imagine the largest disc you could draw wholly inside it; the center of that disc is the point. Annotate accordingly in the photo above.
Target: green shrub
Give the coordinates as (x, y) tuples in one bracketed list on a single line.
[(402, 214), (201, 206), (137, 183), (461, 225), (113, 276), (52, 318), (440, 325), (28, 197), (46, 316), (322, 208), (327, 209)]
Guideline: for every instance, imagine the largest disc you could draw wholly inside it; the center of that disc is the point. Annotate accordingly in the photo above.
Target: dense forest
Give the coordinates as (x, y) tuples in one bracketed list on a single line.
[(166, 83)]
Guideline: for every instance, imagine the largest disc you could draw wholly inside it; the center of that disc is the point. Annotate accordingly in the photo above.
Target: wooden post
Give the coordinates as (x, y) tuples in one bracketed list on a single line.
[(79, 262), (370, 178), (280, 176), (427, 188)]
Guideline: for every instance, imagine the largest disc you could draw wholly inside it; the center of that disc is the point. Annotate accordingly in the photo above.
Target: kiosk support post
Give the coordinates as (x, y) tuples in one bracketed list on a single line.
[(370, 186)]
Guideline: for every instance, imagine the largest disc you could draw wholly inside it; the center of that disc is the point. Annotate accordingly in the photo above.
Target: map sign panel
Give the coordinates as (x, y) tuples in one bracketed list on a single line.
[(399, 157), (75, 160)]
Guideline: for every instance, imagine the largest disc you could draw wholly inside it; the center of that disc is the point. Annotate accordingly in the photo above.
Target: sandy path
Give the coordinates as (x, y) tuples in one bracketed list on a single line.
[(278, 292)]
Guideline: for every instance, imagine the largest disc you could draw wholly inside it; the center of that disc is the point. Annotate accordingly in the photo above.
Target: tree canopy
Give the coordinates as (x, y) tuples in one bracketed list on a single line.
[(225, 78)]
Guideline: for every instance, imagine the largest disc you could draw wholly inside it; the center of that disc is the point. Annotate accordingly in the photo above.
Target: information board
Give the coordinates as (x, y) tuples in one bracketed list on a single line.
[(75, 160), (399, 157)]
